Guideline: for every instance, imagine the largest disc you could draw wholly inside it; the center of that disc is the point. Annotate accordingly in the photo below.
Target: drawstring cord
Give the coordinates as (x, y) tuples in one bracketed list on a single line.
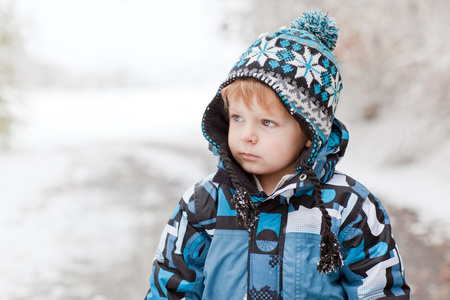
[(330, 249)]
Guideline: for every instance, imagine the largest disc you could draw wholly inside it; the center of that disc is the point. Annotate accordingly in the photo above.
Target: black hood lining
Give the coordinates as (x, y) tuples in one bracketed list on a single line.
[(215, 125)]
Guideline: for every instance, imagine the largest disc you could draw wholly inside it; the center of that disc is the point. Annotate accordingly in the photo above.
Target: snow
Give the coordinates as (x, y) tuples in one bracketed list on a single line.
[(83, 117), (419, 185), (68, 203), (57, 208), (86, 181), (58, 212)]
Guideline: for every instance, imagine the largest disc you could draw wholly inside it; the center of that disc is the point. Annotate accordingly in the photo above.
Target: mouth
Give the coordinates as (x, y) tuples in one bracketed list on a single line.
[(249, 156)]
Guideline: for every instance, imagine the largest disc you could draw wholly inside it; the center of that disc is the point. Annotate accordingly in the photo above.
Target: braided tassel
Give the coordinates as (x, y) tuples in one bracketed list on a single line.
[(245, 209), (330, 249), (330, 253)]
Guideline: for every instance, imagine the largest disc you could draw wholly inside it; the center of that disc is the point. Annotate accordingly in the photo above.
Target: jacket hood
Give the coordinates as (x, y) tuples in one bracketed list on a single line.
[(331, 152)]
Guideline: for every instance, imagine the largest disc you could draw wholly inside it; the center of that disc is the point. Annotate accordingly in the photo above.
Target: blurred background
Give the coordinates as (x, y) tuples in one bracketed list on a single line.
[(100, 110)]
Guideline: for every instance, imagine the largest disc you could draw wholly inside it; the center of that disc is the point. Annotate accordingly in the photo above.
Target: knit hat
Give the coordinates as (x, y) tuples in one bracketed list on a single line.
[(297, 63)]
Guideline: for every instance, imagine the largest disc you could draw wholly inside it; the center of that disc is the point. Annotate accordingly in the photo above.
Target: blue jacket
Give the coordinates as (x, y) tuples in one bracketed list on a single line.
[(203, 254)]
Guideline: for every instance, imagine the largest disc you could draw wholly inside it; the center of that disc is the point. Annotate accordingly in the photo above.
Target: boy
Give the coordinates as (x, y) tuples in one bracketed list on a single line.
[(276, 221)]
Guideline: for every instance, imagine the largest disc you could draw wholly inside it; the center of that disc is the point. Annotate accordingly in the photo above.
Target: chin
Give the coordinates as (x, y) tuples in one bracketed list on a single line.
[(251, 170)]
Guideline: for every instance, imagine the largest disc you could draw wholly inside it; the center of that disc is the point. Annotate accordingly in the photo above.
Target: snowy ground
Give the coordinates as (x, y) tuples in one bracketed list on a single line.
[(84, 190), (92, 177)]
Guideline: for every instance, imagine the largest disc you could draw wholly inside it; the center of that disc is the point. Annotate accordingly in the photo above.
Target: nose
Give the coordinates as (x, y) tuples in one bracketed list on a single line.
[(249, 135)]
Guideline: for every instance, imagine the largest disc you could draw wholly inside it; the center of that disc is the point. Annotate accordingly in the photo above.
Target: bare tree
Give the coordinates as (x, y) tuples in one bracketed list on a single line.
[(9, 51)]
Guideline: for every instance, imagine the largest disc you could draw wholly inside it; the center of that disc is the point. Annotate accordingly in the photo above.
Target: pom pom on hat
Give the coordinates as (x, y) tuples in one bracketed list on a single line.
[(318, 23)]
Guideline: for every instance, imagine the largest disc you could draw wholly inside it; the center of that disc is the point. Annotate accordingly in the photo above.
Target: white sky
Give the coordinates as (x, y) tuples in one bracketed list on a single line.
[(146, 37)]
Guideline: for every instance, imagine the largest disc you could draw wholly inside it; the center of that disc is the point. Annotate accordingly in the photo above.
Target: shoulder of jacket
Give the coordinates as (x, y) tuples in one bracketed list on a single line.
[(361, 213), (199, 203), (201, 188), (348, 196), (346, 184)]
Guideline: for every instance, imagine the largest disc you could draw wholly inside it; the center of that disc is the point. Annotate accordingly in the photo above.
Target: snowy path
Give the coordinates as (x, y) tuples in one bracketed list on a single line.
[(91, 233), (93, 178), (86, 189)]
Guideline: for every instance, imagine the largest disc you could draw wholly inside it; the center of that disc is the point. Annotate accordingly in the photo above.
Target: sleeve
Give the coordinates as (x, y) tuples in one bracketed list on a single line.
[(177, 271), (373, 267)]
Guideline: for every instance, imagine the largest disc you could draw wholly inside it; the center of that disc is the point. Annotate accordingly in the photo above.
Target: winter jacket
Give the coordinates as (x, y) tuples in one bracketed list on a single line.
[(203, 254)]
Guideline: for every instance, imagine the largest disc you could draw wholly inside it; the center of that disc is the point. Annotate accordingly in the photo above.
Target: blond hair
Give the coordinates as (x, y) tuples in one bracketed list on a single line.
[(246, 88)]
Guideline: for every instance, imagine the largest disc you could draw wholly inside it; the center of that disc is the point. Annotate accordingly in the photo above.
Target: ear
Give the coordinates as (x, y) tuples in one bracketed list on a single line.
[(308, 144)]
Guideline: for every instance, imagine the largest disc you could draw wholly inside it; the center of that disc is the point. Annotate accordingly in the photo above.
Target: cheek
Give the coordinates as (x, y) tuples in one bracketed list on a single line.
[(292, 146), (297, 148), (275, 149), (232, 137)]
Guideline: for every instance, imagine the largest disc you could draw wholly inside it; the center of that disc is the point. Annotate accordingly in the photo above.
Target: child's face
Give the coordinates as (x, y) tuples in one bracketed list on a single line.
[(264, 143)]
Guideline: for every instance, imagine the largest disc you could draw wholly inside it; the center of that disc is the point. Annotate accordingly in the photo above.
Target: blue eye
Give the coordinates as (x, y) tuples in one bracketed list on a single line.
[(268, 123), (237, 118)]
